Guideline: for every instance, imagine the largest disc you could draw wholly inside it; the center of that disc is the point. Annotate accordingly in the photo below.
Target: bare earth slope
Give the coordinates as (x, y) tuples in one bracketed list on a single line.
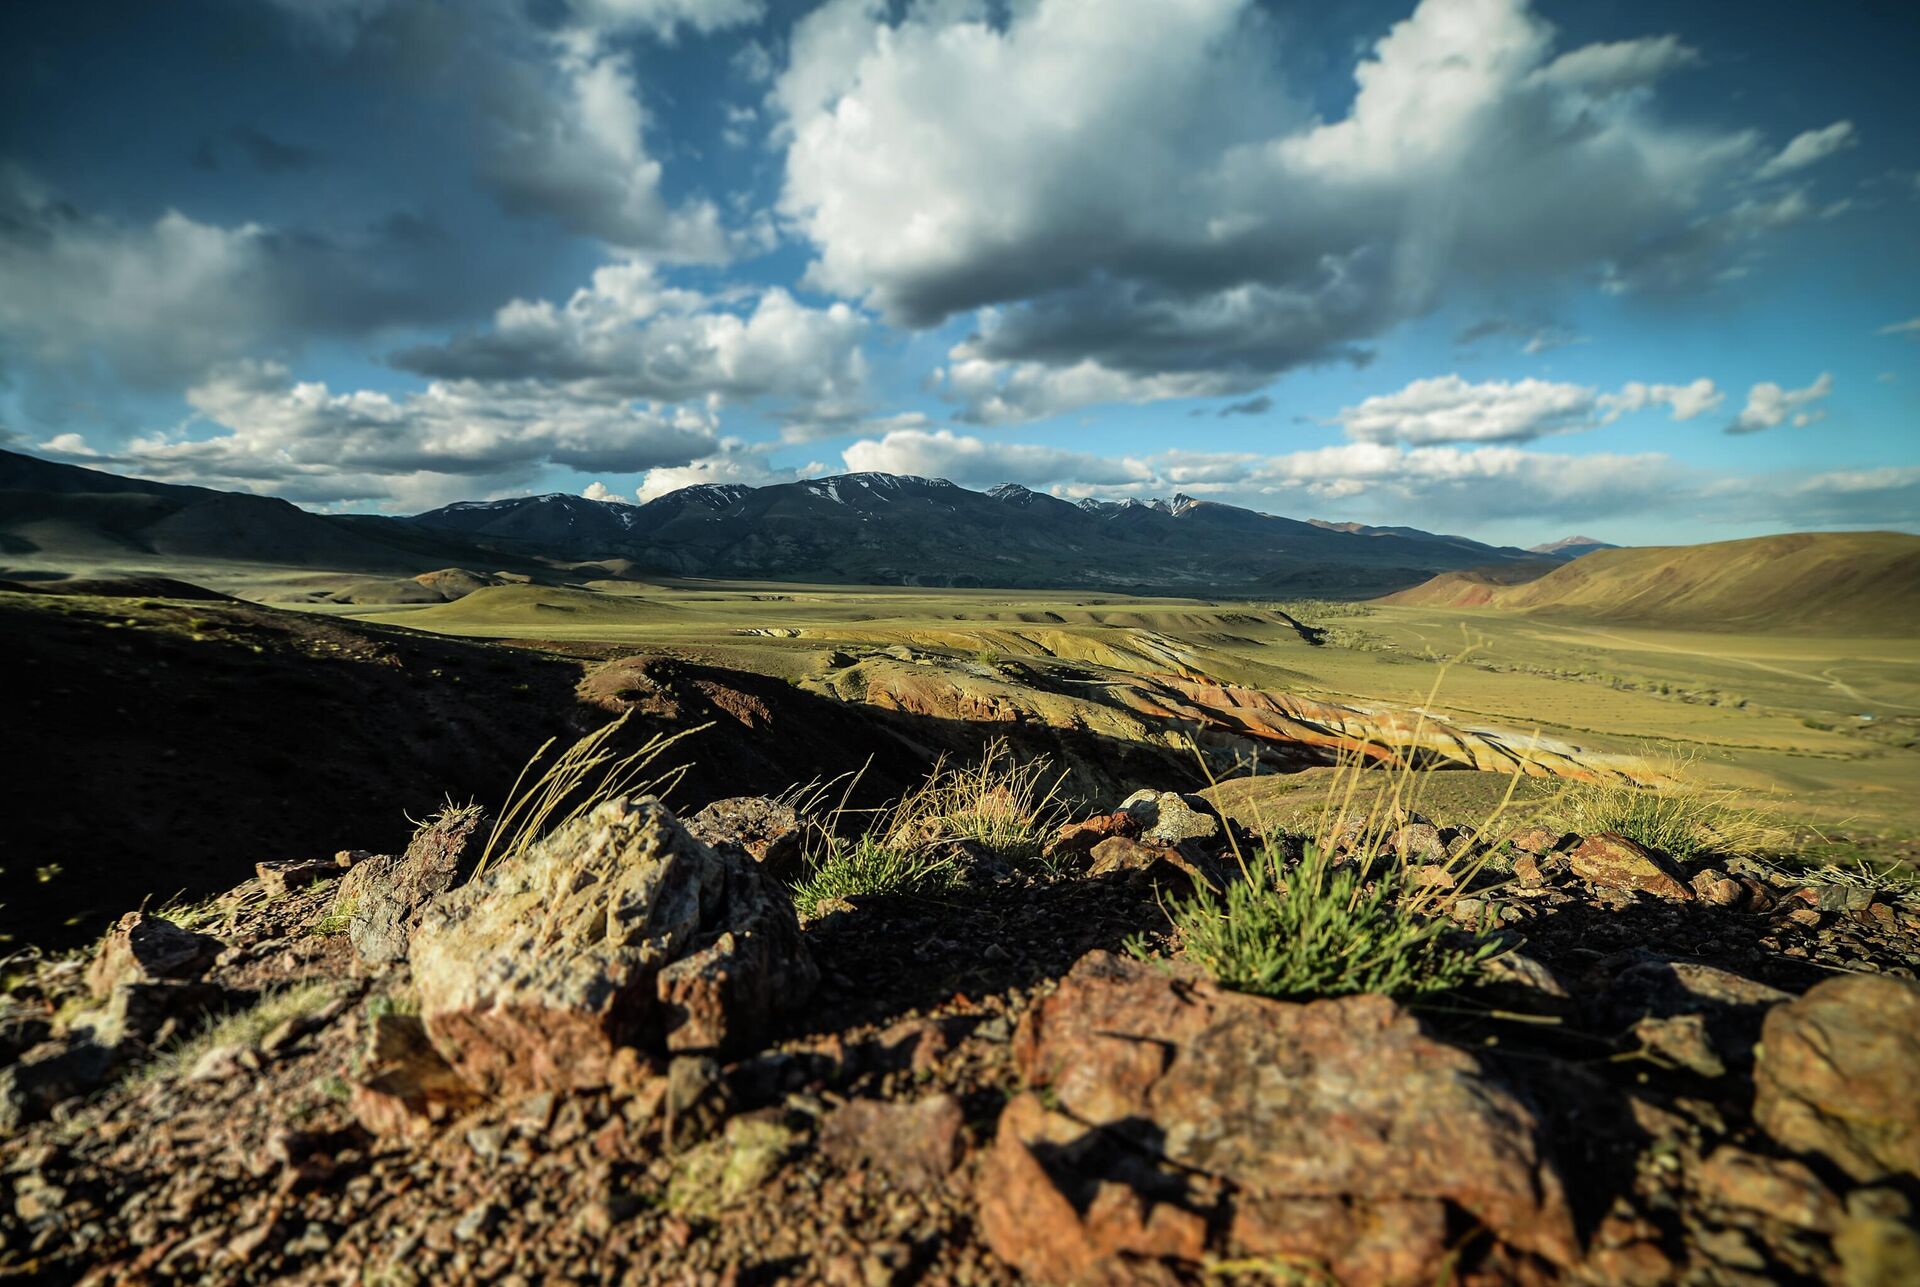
[(1811, 583)]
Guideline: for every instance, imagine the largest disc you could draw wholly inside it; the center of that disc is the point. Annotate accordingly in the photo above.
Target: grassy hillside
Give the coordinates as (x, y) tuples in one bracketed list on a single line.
[(1808, 583)]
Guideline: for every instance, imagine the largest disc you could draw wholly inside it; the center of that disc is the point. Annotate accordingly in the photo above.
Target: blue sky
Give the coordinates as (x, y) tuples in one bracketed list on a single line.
[(1648, 272)]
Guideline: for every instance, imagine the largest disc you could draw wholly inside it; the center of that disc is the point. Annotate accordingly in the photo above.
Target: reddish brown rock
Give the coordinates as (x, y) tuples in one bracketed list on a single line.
[(407, 1088), (381, 897), (1068, 1230), (1611, 861), (1836, 1075), (1717, 888), (1781, 1188), (1534, 840), (914, 1145), (1335, 1125), (142, 948), (1374, 1242), (1077, 838), (282, 876)]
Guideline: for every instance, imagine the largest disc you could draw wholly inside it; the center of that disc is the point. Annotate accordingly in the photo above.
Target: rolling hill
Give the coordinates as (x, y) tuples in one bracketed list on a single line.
[(1812, 583), (54, 514)]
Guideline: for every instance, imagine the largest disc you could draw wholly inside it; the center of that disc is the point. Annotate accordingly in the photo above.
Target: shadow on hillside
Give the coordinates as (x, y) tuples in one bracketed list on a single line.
[(168, 746)]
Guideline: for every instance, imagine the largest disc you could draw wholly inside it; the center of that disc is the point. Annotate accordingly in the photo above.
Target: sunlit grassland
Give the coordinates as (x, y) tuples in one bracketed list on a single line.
[(1779, 715)]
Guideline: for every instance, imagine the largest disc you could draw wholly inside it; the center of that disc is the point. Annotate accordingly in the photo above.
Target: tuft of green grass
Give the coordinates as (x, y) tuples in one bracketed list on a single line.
[(337, 919), (1336, 923), (867, 865), (1319, 929), (1000, 803), (1678, 819)]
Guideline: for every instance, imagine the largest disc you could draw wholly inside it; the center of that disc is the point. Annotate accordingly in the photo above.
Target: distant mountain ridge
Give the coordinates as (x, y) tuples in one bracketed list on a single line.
[(905, 529), (859, 528)]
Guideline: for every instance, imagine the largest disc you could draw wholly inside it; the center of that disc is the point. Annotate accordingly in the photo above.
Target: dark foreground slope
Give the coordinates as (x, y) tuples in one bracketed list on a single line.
[(1809, 582), (161, 747)]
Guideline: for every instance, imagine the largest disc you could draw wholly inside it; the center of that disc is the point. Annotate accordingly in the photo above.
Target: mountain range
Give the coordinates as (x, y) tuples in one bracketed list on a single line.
[(863, 528)]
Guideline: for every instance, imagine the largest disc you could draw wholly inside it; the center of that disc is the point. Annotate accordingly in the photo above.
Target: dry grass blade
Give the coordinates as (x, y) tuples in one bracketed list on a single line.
[(1000, 803), (579, 779)]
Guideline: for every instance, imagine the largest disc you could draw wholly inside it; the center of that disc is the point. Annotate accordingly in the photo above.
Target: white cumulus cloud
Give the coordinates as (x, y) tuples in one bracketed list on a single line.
[(1769, 406), (1147, 210), (1449, 409)]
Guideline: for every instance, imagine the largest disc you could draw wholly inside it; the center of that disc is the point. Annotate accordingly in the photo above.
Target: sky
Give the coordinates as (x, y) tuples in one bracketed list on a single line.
[(1642, 271)]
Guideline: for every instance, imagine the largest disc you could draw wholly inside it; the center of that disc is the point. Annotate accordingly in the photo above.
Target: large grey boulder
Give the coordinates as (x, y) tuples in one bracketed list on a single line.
[(619, 929)]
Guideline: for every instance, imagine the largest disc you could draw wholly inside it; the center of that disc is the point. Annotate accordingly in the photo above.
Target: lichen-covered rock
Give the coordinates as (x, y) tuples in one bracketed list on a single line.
[(1168, 818), (1333, 1131), (770, 832), (1836, 1075), (142, 947), (619, 929), (1612, 861), (382, 897)]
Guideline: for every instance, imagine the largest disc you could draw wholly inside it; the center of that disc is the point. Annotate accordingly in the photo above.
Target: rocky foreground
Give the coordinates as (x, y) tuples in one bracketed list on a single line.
[(620, 1057)]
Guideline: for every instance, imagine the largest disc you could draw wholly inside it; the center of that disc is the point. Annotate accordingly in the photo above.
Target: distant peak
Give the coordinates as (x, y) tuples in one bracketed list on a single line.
[(1571, 543)]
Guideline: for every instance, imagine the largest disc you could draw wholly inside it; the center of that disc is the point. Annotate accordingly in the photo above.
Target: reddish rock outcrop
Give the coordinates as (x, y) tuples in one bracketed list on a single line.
[(142, 948), (1612, 861), (768, 831), (381, 897), (1836, 1075), (1331, 1131)]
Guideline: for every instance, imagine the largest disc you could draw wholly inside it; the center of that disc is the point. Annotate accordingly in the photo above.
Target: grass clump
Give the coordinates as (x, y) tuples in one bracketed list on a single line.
[(868, 865), (1001, 804), (1349, 915), (337, 920), (1323, 930), (1678, 819)]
